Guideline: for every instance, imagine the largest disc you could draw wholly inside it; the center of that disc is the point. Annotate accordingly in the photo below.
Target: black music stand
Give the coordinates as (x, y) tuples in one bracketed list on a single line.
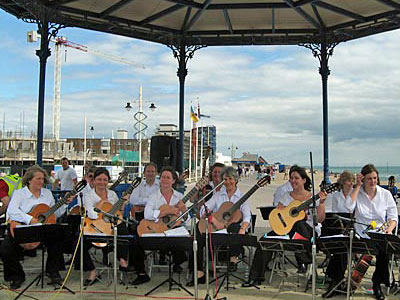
[(39, 233), (280, 245), (229, 240), (333, 225), (167, 244), (341, 244)]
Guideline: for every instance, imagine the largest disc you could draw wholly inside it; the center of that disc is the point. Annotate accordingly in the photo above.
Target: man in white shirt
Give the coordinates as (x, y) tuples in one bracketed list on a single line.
[(67, 176)]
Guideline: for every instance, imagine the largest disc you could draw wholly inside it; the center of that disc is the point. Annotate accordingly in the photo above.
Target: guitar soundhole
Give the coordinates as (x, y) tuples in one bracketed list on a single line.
[(41, 218), (226, 216), (166, 219), (294, 212)]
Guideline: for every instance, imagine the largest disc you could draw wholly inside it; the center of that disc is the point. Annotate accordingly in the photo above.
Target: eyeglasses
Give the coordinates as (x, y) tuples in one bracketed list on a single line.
[(90, 176)]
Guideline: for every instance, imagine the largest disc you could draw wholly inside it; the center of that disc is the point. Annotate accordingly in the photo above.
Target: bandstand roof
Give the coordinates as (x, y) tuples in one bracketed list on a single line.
[(220, 22)]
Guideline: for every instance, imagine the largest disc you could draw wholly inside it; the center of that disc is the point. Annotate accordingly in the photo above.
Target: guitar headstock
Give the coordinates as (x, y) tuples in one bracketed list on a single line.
[(80, 186), (202, 182), (263, 181), (135, 183), (334, 187), (122, 175)]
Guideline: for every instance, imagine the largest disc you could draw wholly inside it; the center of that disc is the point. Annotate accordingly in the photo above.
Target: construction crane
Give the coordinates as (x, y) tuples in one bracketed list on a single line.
[(60, 42)]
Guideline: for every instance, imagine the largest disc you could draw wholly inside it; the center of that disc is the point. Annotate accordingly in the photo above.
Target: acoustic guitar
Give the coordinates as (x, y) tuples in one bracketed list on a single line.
[(102, 223), (165, 223), (76, 210), (229, 212), (45, 214), (282, 220)]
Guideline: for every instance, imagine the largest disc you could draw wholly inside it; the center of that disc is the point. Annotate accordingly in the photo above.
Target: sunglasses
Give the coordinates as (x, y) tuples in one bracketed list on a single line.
[(90, 176)]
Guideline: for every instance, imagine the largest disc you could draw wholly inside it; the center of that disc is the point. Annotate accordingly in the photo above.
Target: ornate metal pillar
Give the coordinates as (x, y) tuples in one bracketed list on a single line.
[(323, 51), (182, 53), (47, 30)]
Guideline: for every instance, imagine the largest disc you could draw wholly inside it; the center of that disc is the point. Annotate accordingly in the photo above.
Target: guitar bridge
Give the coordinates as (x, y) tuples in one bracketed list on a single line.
[(281, 219)]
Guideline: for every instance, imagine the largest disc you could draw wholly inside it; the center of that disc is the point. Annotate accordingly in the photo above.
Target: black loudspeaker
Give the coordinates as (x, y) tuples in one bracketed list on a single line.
[(163, 151)]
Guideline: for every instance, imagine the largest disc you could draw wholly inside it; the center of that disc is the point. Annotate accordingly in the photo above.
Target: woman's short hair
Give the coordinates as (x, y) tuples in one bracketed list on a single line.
[(30, 173), (92, 169), (346, 176), (171, 170), (229, 172), (100, 171), (303, 174)]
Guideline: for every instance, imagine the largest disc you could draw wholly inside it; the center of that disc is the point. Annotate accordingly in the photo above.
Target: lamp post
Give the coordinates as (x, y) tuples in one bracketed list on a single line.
[(233, 150), (139, 126)]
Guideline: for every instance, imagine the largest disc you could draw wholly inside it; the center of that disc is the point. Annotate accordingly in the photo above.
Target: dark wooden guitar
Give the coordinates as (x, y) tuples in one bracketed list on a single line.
[(45, 214), (102, 223), (164, 223), (229, 212), (282, 220)]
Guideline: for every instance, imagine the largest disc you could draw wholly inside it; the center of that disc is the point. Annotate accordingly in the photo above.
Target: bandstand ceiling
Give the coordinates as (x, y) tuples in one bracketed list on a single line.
[(220, 22)]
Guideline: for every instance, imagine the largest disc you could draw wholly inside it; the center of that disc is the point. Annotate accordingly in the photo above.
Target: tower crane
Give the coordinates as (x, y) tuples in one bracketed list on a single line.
[(60, 42)]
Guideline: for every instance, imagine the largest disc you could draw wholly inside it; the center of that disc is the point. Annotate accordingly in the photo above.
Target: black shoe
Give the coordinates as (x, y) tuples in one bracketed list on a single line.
[(177, 269), (89, 282), (252, 282), (55, 277), (16, 284), (378, 291), (105, 259), (141, 279), (302, 269), (200, 280)]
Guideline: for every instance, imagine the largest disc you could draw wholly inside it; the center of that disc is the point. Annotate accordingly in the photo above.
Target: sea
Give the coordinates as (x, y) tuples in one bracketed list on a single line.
[(384, 172)]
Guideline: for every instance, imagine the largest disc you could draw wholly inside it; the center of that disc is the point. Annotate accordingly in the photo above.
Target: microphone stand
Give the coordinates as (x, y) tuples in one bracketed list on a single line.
[(195, 267), (82, 212), (208, 222), (314, 237)]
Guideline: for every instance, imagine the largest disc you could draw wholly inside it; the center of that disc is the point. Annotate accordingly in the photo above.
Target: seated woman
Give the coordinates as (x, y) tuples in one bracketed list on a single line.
[(231, 193), (301, 185), (95, 198), (22, 202), (342, 201)]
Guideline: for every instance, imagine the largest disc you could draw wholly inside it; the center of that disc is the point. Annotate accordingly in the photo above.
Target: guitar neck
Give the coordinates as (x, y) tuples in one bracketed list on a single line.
[(189, 195), (243, 199), (117, 206), (60, 203), (116, 183), (306, 203)]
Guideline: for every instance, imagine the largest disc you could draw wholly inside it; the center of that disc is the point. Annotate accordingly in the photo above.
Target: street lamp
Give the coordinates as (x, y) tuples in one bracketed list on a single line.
[(233, 150), (140, 126)]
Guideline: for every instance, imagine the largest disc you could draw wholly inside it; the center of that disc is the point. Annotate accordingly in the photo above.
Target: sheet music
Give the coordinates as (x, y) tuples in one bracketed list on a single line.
[(155, 234), (30, 225), (280, 237), (179, 231), (334, 236), (97, 234), (222, 231)]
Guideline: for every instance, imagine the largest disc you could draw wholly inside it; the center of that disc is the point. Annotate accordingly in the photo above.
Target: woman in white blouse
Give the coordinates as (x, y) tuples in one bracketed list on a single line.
[(374, 203), (22, 202), (231, 193), (342, 201), (95, 198)]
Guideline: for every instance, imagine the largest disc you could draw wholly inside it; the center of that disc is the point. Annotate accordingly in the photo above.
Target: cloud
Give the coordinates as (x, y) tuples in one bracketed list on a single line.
[(264, 100)]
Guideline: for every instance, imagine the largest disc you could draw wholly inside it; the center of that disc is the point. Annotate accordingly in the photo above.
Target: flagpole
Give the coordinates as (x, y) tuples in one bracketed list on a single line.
[(201, 148), (197, 154), (190, 149)]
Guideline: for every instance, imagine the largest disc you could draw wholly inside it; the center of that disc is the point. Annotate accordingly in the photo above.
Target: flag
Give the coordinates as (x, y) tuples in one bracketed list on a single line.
[(193, 116), (198, 109)]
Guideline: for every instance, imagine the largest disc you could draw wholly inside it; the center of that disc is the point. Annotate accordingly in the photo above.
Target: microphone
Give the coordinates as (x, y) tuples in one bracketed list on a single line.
[(98, 210), (371, 225)]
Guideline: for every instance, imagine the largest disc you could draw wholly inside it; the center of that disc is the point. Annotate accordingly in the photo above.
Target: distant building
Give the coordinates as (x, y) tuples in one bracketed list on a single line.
[(223, 159)]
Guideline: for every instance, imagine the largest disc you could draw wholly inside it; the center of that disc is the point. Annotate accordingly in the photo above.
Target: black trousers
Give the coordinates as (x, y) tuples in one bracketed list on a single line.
[(262, 257), (10, 251)]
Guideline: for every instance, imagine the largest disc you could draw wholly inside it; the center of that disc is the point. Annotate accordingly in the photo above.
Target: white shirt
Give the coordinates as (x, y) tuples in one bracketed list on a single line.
[(23, 201), (280, 190), (85, 192), (287, 199), (338, 203), (380, 209), (156, 200), (66, 177), (141, 194), (219, 198), (91, 199)]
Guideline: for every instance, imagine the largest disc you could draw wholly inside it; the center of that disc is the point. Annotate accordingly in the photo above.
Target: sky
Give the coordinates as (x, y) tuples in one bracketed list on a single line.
[(262, 99)]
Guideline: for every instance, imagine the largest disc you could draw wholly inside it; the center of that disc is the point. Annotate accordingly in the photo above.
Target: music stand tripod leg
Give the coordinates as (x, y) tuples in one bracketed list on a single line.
[(36, 279)]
